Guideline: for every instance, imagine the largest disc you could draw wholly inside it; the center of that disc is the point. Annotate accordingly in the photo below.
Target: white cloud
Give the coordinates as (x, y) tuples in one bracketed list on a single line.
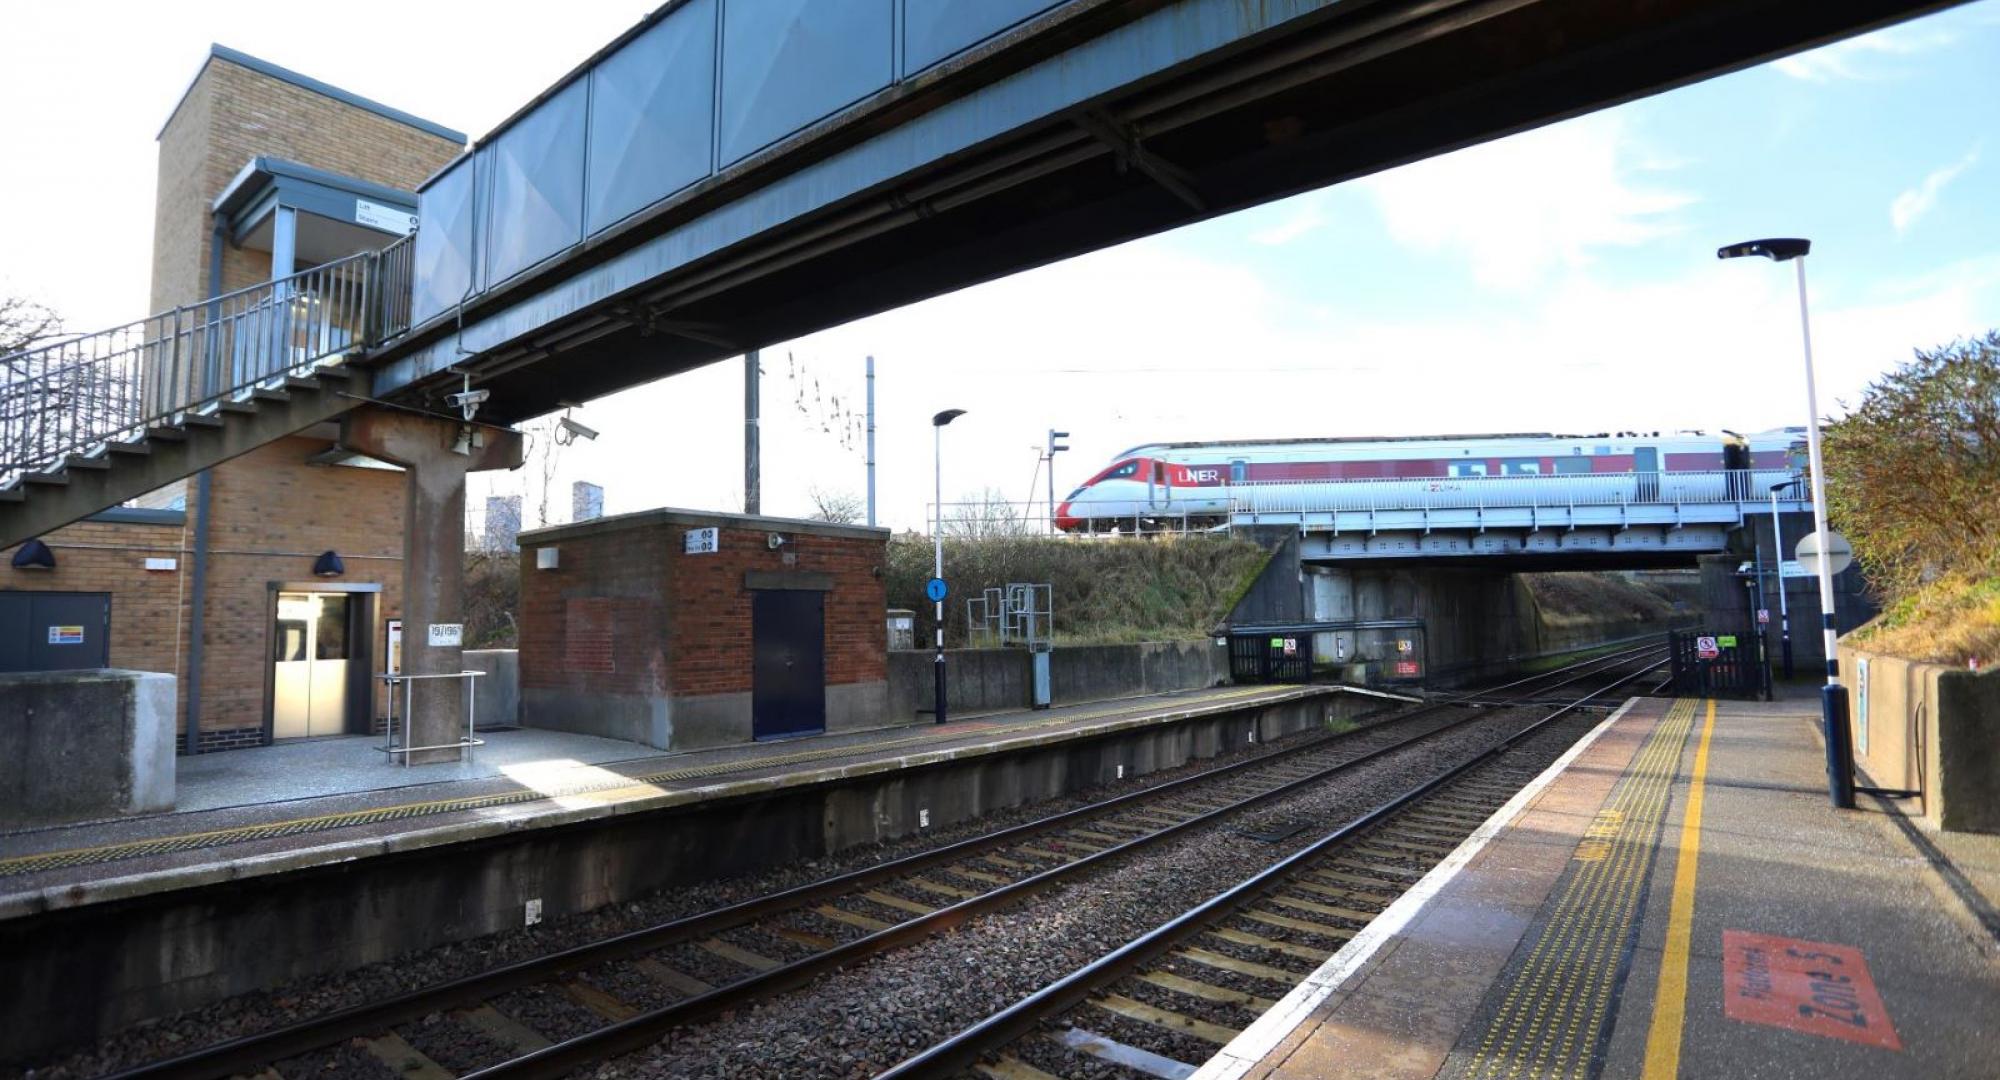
[(1862, 57), (1523, 206), (1913, 203)]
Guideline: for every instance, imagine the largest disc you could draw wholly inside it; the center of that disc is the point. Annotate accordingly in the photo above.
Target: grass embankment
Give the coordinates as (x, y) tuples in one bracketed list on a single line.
[(1948, 621), (1105, 591)]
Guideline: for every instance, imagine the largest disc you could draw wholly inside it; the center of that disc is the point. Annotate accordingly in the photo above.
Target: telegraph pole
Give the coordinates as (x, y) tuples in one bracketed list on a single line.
[(871, 442), (752, 492)]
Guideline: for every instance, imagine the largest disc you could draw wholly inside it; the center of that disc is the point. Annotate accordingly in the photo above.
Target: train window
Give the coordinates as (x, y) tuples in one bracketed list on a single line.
[(1521, 468), (1130, 468), (1239, 469), (1468, 468)]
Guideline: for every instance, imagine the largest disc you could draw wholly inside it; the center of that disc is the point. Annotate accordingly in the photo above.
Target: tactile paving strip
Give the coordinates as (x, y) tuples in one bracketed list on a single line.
[(1550, 1014), (162, 845)]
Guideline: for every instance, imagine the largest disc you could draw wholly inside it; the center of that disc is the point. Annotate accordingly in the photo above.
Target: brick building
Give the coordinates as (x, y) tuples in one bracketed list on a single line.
[(222, 579), (683, 629)]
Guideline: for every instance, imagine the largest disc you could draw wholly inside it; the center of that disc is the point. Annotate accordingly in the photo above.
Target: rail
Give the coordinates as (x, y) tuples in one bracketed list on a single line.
[(73, 396), (1715, 486)]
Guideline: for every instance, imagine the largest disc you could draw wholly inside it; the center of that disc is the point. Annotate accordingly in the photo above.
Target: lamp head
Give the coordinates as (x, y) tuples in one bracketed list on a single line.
[(1776, 249), (946, 417)]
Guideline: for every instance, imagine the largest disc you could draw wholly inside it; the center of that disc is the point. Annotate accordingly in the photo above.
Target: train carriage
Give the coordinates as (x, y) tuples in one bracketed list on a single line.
[(1201, 483)]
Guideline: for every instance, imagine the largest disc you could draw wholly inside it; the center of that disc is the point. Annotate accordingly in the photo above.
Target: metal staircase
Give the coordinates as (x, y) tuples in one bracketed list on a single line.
[(92, 421)]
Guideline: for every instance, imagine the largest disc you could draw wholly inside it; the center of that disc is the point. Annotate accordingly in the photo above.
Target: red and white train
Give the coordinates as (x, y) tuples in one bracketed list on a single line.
[(1201, 481)]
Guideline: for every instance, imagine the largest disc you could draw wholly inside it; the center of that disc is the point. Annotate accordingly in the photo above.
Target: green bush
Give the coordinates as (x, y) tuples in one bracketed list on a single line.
[(1913, 473)]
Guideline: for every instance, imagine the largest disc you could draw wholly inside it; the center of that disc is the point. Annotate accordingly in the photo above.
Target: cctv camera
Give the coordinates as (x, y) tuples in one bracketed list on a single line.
[(577, 430), (468, 401)]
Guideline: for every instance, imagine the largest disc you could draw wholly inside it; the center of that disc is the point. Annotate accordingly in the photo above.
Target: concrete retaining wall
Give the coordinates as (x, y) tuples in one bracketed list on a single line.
[(83, 745), (498, 700), (992, 680), (1929, 728), (85, 972)]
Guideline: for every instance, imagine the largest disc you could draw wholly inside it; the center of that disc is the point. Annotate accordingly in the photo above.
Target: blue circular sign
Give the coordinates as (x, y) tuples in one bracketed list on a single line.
[(935, 589)]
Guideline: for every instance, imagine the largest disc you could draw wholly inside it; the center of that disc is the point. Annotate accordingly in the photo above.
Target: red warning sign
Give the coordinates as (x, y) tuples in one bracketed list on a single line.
[(1807, 986)]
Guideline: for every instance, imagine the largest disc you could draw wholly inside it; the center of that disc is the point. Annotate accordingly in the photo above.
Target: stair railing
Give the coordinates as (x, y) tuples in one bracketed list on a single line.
[(75, 395)]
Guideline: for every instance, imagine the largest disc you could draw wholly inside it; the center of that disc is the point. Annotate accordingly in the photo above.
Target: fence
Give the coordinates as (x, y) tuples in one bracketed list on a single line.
[(75, 395)]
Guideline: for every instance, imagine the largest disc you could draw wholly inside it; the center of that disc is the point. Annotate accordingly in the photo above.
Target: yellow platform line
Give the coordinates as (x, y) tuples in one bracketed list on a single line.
[(1663, 1040), (1549, 1019), (638, 785)]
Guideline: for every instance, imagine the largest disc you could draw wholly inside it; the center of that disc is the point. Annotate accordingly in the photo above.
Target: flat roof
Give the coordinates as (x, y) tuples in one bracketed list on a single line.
[(250, 180), (307, 82), (700, 519)]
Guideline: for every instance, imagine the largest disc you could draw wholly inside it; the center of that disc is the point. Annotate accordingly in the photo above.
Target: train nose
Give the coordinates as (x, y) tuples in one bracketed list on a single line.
[(1065, 519)]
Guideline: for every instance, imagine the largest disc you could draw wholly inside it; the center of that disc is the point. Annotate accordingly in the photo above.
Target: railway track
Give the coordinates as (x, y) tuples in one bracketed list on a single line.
[(554, 1014), (1167, 1000)]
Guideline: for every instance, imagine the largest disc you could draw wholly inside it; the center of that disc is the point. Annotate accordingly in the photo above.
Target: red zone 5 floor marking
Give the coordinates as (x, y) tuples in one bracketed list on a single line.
[(1808, 986)]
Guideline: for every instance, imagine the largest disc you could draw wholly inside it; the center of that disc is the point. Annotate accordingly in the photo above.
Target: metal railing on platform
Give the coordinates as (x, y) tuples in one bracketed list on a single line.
[(75, 395)]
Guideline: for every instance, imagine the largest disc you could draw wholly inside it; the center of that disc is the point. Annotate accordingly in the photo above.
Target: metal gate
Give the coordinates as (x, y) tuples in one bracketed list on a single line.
[(788, 663), (1711, 664), (54, 631), (1270, 657)]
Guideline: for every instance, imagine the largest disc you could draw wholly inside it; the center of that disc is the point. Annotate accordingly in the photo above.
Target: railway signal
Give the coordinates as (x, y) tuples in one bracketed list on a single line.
[(1049, 457)]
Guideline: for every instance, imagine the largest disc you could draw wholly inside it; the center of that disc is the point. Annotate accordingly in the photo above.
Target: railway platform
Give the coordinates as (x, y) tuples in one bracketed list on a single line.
[(294, 860), (277, 808), (1675, 897)]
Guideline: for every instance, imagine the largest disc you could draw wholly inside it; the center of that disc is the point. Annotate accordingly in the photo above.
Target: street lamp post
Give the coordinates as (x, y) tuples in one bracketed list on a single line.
[(937, 534), (1833, 697), (1784, 609)]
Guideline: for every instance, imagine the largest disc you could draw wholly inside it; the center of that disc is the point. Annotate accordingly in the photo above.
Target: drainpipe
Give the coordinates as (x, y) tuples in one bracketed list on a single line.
[(203, 490)]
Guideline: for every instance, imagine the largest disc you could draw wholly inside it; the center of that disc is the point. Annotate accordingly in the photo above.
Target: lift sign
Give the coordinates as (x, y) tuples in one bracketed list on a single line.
[(1805, 986), (65, 635)]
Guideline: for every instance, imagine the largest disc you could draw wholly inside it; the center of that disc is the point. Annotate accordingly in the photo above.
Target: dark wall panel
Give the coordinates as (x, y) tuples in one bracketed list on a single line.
[(935, 29), (652, 108), (787, 63), (537, 207), (443, 255)]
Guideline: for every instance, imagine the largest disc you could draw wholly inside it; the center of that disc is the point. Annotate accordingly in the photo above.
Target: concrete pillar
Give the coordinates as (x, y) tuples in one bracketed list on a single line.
[(436, 454)]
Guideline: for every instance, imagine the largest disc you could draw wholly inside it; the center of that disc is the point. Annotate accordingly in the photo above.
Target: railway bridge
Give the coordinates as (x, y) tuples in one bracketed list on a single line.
[(729, 173), (1556, 522)]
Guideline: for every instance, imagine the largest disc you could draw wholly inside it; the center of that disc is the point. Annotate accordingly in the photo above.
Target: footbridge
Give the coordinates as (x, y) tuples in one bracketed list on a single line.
[(1553, 522)]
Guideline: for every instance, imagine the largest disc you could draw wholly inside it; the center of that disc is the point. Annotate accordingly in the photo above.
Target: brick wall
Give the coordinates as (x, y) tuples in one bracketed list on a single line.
[(598, 622), (272, 514), (628, 612), (110, 557), (711, 610), (233, 114)]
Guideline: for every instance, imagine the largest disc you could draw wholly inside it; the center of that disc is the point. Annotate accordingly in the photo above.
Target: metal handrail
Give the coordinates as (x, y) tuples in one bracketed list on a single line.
[(73, 396), (409, 680)]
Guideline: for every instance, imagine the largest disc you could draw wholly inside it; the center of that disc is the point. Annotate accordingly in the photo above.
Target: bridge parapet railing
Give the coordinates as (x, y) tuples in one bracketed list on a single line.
[(1716, 486), (76, 394)]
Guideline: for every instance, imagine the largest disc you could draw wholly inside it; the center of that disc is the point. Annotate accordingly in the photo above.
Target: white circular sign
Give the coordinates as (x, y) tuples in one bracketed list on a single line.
[(1839, 554)]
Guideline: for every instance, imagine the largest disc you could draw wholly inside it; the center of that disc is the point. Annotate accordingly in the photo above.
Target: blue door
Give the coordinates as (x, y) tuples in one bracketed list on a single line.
[(788, 668)]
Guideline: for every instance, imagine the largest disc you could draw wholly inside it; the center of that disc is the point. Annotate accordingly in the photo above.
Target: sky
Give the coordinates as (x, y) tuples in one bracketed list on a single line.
[(1563, 279)]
